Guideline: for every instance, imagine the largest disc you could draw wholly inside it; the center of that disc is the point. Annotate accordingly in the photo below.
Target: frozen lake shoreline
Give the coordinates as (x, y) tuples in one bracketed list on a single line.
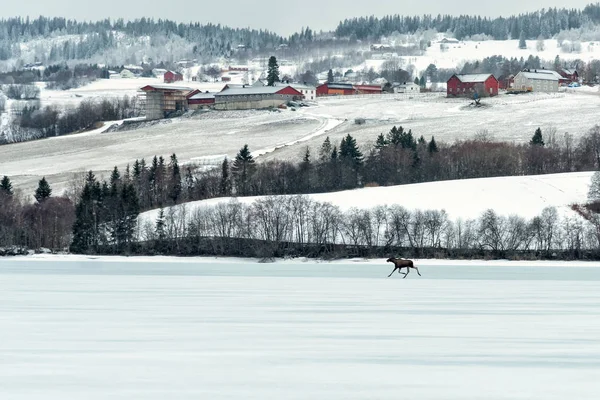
[(224, 329)]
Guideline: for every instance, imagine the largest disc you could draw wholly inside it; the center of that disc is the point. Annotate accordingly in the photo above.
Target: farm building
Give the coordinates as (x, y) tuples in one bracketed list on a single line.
[(467, 85), (407, 87), (164, 99), (171, 76), (570, 75), (309, 92), (368, 89), (252, 97), (197, 99), (336, 89), (537, 81), (127, 74)]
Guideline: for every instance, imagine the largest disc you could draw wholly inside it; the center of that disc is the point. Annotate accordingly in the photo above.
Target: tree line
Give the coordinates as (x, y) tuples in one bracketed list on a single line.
[(544, 23)]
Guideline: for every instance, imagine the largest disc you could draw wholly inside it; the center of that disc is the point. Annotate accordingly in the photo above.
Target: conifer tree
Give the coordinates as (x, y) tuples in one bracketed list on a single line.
[(160, 225), (43, 190), (381, 142), (325, 150), (330, 77), (225, 186), (174, 184), (243, 169), (433, 148), (6, 186), (537, 139), (272, 72), (522, 42)]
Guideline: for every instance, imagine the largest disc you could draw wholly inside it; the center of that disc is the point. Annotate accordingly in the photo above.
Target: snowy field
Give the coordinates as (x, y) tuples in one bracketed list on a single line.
[(115, 328), (285, 135), (525, 196)]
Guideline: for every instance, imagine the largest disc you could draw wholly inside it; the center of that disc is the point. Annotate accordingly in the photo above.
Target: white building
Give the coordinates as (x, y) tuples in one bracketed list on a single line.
[(127, 74), (539, 80), (409, 87)]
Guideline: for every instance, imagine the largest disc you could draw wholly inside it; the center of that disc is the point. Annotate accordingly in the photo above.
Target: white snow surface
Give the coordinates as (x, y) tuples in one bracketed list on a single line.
[(525, 196), (116, 328)]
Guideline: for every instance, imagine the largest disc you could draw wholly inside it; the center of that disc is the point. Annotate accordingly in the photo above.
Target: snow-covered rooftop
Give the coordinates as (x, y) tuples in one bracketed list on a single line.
[(201, 96), (473, 78), (541, 75), (247, 90)]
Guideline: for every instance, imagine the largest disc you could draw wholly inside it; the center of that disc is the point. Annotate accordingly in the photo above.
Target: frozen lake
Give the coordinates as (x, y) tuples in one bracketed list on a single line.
[(228, 329)]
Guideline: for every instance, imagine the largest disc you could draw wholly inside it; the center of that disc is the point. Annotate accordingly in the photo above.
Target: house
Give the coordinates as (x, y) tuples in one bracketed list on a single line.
[(196, 99), (570, 75), (238, 68), (537, 81), (309, 92), (335, 89), (381, 47), (466, 85), (127, 74), (172, 76), (252, 97), (368, 89), (113, 75), (161, 100), (407, 87)]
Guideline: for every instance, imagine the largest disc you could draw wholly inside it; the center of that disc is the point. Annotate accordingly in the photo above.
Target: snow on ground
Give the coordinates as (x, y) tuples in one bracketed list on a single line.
[(455, 55), (324, 331), (107, 88), (525, 196), (285, 135)]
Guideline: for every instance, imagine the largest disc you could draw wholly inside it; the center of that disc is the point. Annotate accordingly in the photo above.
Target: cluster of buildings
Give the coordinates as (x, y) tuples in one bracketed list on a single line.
[(528, 80), (161, 100)]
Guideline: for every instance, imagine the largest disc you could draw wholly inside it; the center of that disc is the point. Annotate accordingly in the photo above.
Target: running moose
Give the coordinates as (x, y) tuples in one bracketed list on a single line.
[(400, 263)]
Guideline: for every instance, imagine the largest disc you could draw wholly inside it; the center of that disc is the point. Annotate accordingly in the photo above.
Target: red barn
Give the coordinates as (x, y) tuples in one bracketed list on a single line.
[(171, 77), (197, 99), (368, 89), (466, 85), (336, 89), (569, 75)]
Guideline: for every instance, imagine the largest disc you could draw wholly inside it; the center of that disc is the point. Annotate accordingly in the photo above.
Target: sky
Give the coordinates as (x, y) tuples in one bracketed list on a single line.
[(289, 17)]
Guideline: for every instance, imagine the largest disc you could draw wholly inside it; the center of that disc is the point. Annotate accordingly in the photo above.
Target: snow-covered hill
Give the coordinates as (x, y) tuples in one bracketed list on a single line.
[(525, 196)]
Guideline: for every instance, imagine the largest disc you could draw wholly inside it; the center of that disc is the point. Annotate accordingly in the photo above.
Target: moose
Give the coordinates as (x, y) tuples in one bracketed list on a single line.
[(400, 263)]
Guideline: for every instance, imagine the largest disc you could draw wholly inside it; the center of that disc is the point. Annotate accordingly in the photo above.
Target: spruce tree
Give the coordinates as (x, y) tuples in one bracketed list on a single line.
[(330, 77), (174, 184), (522, 42), (243, 169), (160, 225), (417, 81), (433, 148), (349, 151), (381, 142), (272, 72), (537, 139), (43, 191), (225, 186), (422, 82), (325, 150), (6, 186)]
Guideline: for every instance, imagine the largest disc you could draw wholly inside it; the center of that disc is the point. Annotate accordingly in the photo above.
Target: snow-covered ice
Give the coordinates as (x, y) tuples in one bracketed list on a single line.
[(112, 328)]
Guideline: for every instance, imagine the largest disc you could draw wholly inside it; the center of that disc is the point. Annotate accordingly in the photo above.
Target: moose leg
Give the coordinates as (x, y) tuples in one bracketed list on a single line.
[(392, 272), (418, 271), (407, 271)]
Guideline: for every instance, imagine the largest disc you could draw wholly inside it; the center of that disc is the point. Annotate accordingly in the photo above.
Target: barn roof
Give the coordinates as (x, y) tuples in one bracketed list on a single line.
[(569, 71), (202, 96), (249, 90), (542, 75), (473, 78), (166, 87), (340, 85)]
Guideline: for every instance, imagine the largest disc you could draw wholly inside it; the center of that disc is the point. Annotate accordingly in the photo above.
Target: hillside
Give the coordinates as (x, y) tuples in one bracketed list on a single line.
[(524, 196)]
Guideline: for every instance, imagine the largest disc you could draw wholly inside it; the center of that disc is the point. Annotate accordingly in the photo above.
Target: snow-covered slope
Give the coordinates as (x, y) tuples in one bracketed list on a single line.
[(525, 196)]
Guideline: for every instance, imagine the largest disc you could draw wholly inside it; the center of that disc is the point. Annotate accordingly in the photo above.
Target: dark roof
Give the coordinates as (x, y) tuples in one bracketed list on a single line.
[(249, 90), (166, 87), (202, 96), (340, 85)]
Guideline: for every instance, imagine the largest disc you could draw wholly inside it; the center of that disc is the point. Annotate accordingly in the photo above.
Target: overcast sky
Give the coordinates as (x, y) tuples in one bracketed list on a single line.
[(288, 18)]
